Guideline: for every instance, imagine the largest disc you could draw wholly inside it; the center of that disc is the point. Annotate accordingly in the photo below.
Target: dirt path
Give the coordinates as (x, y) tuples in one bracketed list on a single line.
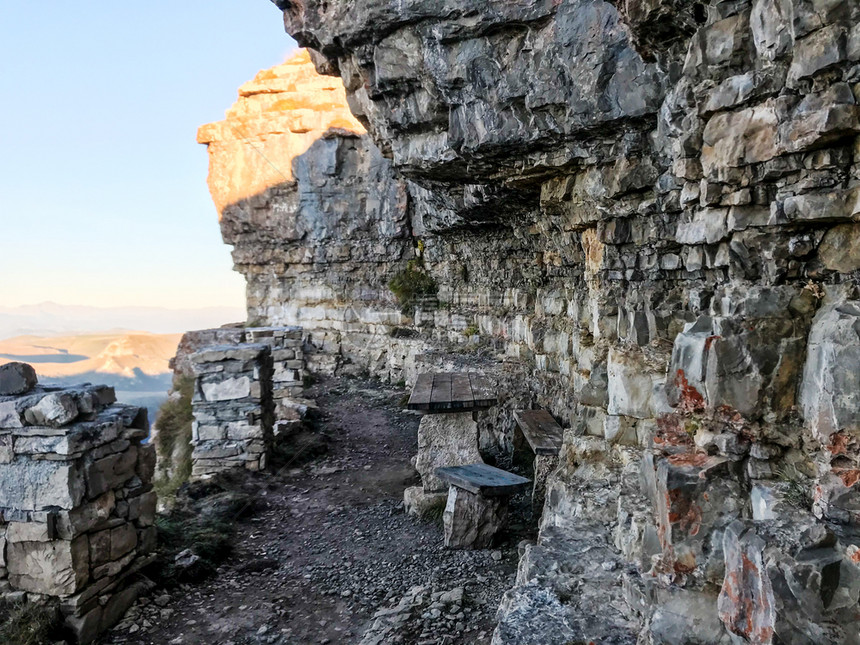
[(329, 546)]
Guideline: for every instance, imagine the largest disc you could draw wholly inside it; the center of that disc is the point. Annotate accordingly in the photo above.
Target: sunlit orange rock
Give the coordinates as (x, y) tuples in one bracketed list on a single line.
[(277, 117)]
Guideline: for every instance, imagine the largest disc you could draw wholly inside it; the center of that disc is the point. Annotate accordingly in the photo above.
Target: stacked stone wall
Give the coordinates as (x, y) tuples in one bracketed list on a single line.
[(77, 507), (288, 364), (233, 408)]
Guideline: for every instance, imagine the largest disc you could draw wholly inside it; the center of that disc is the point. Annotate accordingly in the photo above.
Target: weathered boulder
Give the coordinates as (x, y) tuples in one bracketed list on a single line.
[(788, 580), (840, 248), (695, 499), (53, 410), (17, 378), (830, 388), (750, 367), (684, 617), (417, 501)]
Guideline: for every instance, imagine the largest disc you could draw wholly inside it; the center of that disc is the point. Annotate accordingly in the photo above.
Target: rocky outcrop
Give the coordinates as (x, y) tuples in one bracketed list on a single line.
[(278, 116), (642, 217), (318, 222)]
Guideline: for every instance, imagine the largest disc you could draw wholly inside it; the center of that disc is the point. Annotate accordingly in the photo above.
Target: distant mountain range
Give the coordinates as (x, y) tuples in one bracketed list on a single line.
[(51, 319)]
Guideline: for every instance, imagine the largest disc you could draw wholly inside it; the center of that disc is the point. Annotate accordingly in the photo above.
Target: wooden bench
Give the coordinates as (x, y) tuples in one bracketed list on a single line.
[(545, 437), (541, 430), (477, 505), (483, 479), (451, 392)]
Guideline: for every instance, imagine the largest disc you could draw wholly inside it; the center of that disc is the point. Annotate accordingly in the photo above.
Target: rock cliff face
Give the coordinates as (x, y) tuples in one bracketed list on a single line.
[(647, 216), (317, 219)]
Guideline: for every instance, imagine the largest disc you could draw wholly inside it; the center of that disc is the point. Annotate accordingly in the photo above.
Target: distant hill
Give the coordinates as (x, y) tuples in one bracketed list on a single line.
[(125, 355), (51, 319), (135, 363)]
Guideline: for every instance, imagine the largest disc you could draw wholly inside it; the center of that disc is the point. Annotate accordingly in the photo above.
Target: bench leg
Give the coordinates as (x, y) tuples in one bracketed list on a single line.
[(471, 520), (445, 440), (544, 465)]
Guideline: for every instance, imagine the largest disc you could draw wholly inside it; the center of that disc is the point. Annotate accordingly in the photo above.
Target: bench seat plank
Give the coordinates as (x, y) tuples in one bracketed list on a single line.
[(483, 479), (541, 430), (461, 391)]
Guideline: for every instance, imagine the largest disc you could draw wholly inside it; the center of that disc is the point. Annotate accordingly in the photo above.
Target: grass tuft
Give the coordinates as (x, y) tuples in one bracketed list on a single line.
[(412, 284), (29, 624), (798, 490), (203, 521), (173, 439)]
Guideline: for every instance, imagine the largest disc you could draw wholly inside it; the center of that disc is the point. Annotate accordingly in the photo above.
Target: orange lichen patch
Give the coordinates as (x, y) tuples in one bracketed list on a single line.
[(685, 564), (697, 459), (278, 116), (839, 443), (710, 341), (593, 249), (691, 400), (661, 531), (671, 432), (745, 606), (848, 476), (817, 493), (855, 556)]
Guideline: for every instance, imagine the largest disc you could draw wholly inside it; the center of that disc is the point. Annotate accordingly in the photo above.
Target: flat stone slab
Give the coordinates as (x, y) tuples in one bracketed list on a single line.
[(447, 392), (483, 479), (541, 430)]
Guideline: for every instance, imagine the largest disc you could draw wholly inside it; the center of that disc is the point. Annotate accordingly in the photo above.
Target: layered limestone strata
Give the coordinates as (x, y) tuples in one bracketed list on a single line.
[(77, 507), (317, 220), (645, 218), (279, 115)]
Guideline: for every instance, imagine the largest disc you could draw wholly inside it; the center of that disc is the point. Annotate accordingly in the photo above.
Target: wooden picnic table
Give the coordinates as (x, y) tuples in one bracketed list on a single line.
[(451, 392)]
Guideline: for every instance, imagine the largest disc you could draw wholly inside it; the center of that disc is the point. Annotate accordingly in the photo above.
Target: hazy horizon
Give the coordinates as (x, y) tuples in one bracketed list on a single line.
[(53, 319), (103, 185)]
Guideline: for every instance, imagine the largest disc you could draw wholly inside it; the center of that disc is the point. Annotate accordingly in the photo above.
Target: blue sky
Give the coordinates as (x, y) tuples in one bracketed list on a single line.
[(103, 197)]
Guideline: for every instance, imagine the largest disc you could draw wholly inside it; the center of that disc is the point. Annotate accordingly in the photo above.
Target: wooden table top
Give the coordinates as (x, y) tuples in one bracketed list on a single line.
[(451, 392), (483, 479)]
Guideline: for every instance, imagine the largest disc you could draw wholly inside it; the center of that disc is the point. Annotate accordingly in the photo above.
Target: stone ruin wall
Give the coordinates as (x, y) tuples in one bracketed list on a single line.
[(649, 213), (77, 506), (247, 393), (233, 409)]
